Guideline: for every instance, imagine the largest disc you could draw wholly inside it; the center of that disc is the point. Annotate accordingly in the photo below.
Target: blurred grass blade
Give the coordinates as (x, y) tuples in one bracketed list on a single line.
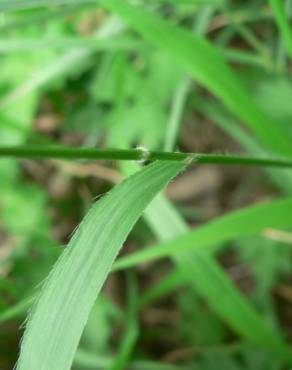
[(283, 179), (278, 7), (178, 103), (57, 321), (131, 328), (204, 275), (63, 65), (17, 310), (92, 361), (161, 288), (245, 222), (6, 5), (207, 65), (94, 43)]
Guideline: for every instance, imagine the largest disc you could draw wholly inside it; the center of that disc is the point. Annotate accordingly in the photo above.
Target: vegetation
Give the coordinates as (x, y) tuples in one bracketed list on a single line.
[(114, 100)]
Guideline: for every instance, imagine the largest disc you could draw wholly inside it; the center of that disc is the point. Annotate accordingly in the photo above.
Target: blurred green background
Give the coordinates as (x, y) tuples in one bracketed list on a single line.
[(77, 75)]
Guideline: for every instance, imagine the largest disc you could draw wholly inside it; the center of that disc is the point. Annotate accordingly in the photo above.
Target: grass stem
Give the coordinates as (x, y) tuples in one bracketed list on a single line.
[(86, 153)]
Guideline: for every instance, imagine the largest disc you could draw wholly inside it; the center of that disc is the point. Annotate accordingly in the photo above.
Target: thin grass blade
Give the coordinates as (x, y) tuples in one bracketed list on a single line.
[(206, 65), (205, 276), (278, 7), (59, 316), (8, 5), (245, 222)]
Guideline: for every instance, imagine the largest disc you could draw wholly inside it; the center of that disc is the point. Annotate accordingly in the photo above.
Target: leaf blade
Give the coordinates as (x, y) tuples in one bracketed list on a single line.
[(278, 8), (24, 4), (225, 228), (207, 65), (203, 274), (56, 324)]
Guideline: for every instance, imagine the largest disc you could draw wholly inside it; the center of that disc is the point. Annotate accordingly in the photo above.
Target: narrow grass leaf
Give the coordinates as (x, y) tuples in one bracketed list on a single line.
[(205, 276), (57, 321), (34, 45), (245, 222), (68, 61), (202, 273), (92, 361), (131, 331), (283, 178), (16, 311), (278, 7), (165, 286), (207, 65), (6, 5)]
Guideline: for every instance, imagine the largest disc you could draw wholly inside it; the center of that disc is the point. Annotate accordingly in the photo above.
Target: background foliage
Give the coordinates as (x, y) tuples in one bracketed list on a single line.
[(192, 75)]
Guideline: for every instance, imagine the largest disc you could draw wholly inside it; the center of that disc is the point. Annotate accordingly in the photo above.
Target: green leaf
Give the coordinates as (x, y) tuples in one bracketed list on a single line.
[(131, 332), (68, 62), (6, 5), (94, 43), (92, 361), (278, 7), (57, 321), (283, 179), (248, 221), (203, 274), (207, 65)]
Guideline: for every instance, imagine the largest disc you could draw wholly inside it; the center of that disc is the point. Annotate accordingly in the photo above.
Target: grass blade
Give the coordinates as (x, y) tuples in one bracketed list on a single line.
[(92, 361), (63, 65), (207, 65), (162, 288), (179, 100), (131, 330), (208, 278), (228, 227), (34, 45), (278, 7), (205, 276), (202, 273), (6, 5), (56, 323), (283, 179), (17, 310)]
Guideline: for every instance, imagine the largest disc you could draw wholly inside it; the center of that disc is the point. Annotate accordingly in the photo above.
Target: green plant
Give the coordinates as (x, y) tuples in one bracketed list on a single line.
[(103, 85)]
